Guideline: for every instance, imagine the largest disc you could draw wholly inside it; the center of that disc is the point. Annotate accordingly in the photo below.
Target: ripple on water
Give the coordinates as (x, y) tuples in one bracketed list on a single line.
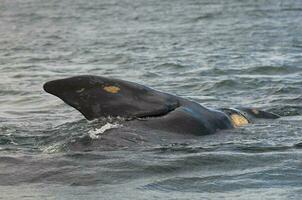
[(273, 70)]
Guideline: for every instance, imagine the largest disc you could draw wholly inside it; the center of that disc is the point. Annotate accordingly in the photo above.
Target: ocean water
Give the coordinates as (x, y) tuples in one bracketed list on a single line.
[(220, 53)]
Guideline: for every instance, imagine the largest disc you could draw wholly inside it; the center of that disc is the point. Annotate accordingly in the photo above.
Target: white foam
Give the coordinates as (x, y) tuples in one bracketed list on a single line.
[(55, 148), (97, 132)]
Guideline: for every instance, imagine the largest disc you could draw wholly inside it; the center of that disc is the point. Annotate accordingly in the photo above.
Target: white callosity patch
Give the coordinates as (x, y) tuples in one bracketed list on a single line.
[(96, 132)]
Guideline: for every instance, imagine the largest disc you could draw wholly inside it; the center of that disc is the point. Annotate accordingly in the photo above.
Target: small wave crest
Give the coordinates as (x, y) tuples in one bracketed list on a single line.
[(95, 133)]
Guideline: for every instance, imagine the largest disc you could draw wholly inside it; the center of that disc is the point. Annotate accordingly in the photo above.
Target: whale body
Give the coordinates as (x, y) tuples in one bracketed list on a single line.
[(100, 97)]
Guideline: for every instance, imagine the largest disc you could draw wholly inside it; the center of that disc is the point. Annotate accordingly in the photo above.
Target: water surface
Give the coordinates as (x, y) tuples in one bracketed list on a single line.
[(218, 53)]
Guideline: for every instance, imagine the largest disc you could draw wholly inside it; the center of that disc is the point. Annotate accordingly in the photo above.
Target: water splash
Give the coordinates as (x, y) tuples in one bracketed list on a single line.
[(95, 133)]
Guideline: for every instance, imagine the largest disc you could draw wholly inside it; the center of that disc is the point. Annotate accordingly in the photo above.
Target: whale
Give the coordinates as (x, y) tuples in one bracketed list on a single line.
[(138, 105)]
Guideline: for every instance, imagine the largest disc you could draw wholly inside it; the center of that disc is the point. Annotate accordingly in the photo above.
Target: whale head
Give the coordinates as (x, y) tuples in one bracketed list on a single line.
[(96, 97)]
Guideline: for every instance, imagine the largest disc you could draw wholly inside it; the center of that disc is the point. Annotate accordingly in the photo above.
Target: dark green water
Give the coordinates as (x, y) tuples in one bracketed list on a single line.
[(219, 53)]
